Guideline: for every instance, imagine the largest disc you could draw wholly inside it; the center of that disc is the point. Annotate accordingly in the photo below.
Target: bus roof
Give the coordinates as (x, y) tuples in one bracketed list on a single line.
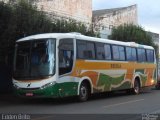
[(82, 37)]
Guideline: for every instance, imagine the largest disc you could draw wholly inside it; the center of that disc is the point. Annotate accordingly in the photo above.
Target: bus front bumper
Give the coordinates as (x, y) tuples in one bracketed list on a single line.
[(55, 91)]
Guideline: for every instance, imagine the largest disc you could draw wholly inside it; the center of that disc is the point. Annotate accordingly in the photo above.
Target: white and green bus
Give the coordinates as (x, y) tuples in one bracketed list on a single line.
[(68, 64)]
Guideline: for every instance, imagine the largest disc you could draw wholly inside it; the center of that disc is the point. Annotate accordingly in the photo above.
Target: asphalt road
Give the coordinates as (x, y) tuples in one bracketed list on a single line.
[(119, 103)]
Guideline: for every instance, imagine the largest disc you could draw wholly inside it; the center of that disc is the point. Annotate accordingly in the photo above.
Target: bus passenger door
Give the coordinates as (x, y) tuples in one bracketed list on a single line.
[(66, 55)]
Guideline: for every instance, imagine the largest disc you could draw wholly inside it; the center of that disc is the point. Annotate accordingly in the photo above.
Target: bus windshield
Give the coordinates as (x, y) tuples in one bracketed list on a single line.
[(34, 59)]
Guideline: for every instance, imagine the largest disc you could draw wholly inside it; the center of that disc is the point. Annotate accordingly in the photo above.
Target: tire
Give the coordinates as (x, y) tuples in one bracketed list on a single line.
[(83, 92), (136, 88), (157, 86)]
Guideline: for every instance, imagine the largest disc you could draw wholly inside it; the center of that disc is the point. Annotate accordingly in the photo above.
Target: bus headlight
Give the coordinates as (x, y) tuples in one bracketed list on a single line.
[(15, 86), (48, 85)]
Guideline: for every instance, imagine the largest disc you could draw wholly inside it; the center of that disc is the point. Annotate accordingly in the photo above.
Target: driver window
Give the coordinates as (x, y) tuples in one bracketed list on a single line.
[(65, 56)]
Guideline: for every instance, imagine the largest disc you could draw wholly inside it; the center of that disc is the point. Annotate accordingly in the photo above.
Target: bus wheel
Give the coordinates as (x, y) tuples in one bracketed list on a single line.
[(83, 92), (136, 88)]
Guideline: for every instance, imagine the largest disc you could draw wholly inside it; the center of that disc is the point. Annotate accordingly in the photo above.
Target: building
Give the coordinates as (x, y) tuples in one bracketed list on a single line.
[(155, 37), (79, 10), (104, 20)]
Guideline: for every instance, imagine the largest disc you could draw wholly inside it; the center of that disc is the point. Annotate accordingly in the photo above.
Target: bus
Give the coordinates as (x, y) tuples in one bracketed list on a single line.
[(158, 74), (58, 65)]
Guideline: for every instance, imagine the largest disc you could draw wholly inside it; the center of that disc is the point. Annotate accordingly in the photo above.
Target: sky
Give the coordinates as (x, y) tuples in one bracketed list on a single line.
[(148, 11)]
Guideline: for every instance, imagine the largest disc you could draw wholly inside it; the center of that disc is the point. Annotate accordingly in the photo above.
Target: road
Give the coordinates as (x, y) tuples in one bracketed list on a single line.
[(118, 103)]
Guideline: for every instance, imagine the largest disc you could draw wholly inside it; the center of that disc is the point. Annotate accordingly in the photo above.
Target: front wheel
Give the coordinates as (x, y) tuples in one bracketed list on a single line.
[(83, 92), (136, 88)]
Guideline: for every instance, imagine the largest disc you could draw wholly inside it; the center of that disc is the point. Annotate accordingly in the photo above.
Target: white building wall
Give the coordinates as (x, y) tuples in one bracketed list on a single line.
[(113, 18), (80, 10)]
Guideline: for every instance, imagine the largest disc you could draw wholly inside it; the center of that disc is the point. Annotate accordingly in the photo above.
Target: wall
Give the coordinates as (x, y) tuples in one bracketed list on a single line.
[(109, 18), (80, 10), (155, 37)]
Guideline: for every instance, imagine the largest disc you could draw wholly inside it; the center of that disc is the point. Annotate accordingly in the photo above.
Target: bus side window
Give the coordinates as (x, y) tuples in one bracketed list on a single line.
[(65, 56), (141, 55)]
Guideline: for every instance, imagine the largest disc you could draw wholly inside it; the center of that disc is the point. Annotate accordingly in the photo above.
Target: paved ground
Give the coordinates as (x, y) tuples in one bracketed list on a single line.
[(112, 105)]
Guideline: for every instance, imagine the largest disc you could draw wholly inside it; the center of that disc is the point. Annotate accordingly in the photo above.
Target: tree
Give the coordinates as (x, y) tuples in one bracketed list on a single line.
[(19, 19), (22, 19), (6, 29), (130, 32)]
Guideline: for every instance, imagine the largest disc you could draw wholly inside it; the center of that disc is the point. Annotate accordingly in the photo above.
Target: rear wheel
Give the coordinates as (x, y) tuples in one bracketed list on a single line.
[(157, 85), (83, 92)]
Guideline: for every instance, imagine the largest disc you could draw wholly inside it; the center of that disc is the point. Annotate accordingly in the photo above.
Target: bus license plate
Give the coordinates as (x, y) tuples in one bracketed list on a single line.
[(29, 94)]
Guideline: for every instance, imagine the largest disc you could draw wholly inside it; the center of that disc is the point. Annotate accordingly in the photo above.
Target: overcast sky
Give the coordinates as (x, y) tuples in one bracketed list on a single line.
[(148, 11)]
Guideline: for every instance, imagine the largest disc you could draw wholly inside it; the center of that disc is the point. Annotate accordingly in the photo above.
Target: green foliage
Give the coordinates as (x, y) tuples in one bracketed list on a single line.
[(6, 29), (132, 33), (23, 19)]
